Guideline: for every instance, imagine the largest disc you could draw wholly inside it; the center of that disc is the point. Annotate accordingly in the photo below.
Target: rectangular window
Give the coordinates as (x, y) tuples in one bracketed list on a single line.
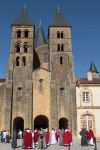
[(85, 96), (61, 60)]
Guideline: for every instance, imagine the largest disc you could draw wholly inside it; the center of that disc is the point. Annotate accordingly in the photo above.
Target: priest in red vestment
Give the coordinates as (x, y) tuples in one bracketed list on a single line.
[(57, 135), (36, 136), (27, 139), (90, 137), (70, 137), (66, 137), (47, 136)]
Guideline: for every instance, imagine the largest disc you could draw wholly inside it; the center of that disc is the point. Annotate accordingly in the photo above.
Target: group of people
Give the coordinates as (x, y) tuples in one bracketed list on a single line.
[(4, 136), (43, 138), (87, 137)]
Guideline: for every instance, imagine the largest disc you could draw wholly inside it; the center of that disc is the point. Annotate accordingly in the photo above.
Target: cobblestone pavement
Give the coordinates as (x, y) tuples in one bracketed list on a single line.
[(75, 146)]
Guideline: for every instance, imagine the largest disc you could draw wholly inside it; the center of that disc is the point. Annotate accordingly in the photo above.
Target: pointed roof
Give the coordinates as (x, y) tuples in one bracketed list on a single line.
[(59, 19), (40, 37), (23, 18), (93, 67)]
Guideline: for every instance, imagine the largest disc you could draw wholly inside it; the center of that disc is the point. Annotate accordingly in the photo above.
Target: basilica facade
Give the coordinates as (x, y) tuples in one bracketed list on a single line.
[(40, 89)]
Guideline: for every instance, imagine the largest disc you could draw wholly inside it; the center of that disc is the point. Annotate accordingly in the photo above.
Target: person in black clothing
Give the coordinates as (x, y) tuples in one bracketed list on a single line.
[(14, 140), (83, 134)]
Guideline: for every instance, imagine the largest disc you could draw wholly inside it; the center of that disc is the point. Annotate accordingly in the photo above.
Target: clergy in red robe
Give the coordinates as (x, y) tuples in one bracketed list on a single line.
[(36, 136), (66, 137), (27, 139), (47, 136), (70, 137), (91, 137), (57, 136), (87, 133)]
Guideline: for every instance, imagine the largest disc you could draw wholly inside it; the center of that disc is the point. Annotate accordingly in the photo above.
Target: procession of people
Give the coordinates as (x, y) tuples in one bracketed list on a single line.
[(43, 138)]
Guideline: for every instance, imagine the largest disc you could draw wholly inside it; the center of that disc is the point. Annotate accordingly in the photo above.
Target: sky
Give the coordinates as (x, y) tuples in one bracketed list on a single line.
[(82, 15)]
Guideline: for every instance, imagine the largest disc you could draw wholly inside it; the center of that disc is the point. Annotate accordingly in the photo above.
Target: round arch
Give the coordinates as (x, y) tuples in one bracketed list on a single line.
[(63, 123), (41, 121), (18, 124)]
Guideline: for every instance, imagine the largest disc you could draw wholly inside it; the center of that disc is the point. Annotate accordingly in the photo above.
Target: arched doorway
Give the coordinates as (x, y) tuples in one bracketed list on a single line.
[(63, 123), (18, 124), (41, 121)]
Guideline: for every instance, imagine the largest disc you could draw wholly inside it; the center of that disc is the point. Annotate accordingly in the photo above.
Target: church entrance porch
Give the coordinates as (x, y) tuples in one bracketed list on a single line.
[(41, 121), (63, 123), (18, 124)]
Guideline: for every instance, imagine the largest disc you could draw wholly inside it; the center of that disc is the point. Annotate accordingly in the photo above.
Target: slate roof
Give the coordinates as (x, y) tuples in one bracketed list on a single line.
[(23, 18), (40, 38), (93, 67), (59, 19), (86, 81)]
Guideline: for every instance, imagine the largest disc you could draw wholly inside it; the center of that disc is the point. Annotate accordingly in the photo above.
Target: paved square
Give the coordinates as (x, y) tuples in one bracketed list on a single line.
[(75, 146)]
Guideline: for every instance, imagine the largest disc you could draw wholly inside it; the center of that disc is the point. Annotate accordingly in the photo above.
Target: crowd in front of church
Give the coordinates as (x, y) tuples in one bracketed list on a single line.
[(43, 138)]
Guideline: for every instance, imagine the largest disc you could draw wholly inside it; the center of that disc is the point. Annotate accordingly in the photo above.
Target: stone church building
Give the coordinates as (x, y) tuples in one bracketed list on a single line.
[(40, 89)]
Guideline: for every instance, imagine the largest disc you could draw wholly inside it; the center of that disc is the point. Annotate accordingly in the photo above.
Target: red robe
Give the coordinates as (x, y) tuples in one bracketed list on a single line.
[(66, 137), (47, 137), (36, 136), (56, 136), (27, 139), (90, 135), (70, 137)]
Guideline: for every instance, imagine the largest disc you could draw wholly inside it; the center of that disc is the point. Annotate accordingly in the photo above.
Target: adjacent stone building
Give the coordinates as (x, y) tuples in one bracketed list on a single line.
[(88, 101), (39, 90)]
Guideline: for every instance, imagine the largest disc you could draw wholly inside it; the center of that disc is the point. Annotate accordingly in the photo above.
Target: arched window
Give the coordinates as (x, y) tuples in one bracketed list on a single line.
[(58, 47), (62, 35), (61, 60), (18, 48), (25, 48), (58, 34), (62, 47), (41, 85), (23, 61), (61, 91), (26, 34), (18, 34), (17, 61), (19, 91)]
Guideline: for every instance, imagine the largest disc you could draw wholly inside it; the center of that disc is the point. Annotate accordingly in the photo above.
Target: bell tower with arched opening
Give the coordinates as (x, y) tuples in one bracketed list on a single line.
[(19, 71), (63, 101)]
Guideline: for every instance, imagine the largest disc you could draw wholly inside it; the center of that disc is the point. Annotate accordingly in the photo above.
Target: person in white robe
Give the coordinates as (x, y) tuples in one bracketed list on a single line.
[(53, 136)]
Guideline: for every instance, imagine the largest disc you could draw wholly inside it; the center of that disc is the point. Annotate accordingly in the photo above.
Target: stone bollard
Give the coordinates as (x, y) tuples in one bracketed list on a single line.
[(95, 148)]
